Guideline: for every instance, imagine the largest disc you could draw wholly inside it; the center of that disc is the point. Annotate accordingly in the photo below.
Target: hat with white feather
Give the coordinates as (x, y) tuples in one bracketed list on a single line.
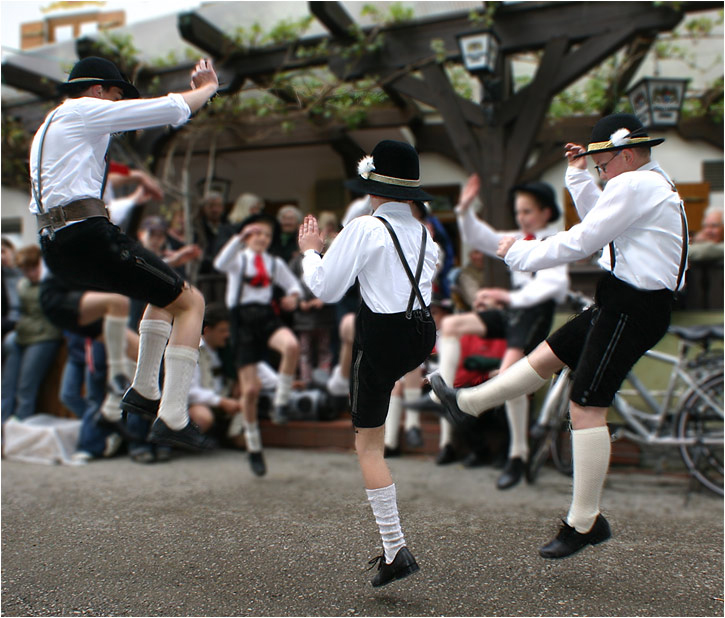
[(618, 131)]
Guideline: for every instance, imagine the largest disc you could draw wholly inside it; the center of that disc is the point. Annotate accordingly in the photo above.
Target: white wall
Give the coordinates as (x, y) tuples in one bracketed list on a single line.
[(14, 204)]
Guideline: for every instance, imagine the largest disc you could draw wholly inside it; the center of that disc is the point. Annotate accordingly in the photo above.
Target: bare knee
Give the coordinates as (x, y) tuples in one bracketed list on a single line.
[(118, 305), (190, 300), (347, 328), (587, 417)]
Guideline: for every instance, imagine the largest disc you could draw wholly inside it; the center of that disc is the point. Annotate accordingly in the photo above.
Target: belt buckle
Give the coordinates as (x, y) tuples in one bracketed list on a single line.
[(57, 218)]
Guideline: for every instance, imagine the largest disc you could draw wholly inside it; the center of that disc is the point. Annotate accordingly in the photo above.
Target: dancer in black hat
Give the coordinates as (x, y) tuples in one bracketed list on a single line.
[(394, 331), (638, 220), (85, 250)]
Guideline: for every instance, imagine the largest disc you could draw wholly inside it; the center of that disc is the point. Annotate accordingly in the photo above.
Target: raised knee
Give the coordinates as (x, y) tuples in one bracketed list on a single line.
[(119, 305)]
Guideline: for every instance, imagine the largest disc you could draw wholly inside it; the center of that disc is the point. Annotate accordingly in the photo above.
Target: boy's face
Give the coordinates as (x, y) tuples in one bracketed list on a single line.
[(530, 216), (153, 240), (260, 237)]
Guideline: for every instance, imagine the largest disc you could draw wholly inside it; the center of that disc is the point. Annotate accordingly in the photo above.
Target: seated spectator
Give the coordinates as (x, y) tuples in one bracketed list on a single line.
[(10, 301), (35, 346), (289, 218), (470, 279), (211, 230), (210, 402), (124, 210), (708, 242)]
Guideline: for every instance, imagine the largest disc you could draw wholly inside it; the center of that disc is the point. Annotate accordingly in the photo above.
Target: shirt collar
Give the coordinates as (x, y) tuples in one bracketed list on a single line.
[(393, 208)]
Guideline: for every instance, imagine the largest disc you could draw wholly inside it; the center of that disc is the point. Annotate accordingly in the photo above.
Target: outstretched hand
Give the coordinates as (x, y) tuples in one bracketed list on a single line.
[(469, 192), (309, 235), (204, 75)]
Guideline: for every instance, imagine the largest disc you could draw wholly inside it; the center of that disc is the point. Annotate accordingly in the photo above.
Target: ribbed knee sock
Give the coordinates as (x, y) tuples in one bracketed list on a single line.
[(446, 433), (284, 387), (392, 421), (252, 437), (449, 353), (114, 336), (153, 337), (519, 379), (385, 508), (179, 365), (517, 414), (412, 417), (591, 449)]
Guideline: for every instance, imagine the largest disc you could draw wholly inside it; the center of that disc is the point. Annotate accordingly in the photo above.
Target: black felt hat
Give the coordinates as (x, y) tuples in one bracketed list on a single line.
[(544, 193), (618, 131), (94, 70), (392, 170)]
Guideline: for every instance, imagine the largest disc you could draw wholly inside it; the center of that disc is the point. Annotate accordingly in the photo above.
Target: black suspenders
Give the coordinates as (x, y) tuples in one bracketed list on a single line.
[(414, 281)]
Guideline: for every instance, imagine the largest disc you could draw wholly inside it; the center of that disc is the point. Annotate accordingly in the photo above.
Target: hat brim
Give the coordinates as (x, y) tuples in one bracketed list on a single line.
[(373, 187), (129, 90), (543, 197), (648, 144)]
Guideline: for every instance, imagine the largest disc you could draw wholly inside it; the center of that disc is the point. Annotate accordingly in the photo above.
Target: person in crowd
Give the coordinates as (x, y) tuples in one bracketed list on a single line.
[(289, 218), (469, 280), (639, 221), (707, 244), (211, 230), (121, 209), (394, 332), (256, 327), (84, 249), (35, 345), (522, 315), (10, 300), (247, 204), (210, 400)]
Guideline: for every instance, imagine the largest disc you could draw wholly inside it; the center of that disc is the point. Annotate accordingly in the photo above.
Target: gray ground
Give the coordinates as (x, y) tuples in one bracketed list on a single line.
[(200, 536)]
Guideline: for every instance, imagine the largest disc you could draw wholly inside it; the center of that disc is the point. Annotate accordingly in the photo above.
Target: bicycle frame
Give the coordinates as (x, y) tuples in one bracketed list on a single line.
[(647, 427)]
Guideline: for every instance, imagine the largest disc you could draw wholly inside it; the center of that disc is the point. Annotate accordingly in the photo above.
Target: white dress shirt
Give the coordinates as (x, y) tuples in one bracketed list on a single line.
[(638, 210), (229, 261), (76, 142), (529, 288), (364, 249)]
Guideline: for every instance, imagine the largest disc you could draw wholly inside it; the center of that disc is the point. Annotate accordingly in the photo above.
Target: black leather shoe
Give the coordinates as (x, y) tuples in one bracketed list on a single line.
[(280, 414), (134, 403), (402, 565), (414, 437), (446, 455), (391, 452), (423, 404), (569, 541), (256, 463), (119, 384), (447, 395), (474, 460), (189, 438), (512, 473)]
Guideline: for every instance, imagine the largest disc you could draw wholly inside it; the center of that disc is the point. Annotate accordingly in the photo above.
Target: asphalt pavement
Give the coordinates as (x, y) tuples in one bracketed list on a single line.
[(200, 536)]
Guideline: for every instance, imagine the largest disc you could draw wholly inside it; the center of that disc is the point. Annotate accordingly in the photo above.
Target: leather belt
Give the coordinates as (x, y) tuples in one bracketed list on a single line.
[(78, 210)]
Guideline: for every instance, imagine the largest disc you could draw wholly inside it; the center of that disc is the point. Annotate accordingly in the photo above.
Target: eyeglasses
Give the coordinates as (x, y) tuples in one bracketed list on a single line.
[(603, 167)]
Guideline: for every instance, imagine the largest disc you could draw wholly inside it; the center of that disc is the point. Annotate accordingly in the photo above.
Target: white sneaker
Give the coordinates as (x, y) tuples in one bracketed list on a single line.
[(80, 458), (113, 443), (338, 385), (236, 426)]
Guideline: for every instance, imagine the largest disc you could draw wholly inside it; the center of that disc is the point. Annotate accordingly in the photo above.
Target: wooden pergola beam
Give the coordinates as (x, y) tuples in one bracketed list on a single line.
[(29, 81)]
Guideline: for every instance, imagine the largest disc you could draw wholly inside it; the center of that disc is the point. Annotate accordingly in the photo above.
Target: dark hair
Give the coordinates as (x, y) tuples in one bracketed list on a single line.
[(215, 313), (6, 242)]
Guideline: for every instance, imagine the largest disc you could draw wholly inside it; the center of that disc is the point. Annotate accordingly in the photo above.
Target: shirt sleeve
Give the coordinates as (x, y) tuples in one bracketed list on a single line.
[(105, 117), (330, 277), (583, 190), (547, 284), (199, 394), (226, 261), (616, 209), (478, 234), (286, 278)]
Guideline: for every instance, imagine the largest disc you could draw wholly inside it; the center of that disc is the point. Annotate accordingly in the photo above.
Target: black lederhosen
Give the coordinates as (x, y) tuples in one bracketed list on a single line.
[(386, 347), (523, 328), (95, 254), (252, 325), (602, 344), (61, 306)]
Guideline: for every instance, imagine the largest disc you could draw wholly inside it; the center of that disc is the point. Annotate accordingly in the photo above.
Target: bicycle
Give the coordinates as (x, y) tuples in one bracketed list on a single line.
[(689, 417)]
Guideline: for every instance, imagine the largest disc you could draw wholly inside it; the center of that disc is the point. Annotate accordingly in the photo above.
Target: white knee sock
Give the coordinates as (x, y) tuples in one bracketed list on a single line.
[(517, 414), (449, 353), (385, 509), (519, 379), (179, 365), (252, 437), (153, 337), (446, 433), (591, 449), (111, 407), (392, 421), (114, 336), (412, 417), (284, 387)]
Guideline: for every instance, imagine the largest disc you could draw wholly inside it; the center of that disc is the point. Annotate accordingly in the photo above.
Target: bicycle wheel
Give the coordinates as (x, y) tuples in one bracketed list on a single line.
[(561, 453), (545, 435), (702, 421)]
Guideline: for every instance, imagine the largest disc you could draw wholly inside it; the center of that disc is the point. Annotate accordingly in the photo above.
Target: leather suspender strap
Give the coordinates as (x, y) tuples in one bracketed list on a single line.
[(38, 193), (242, 278), (414, 281)]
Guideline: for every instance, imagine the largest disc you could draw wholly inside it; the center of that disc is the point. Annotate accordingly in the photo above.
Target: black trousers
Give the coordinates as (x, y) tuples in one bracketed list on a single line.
[(386, 347)]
